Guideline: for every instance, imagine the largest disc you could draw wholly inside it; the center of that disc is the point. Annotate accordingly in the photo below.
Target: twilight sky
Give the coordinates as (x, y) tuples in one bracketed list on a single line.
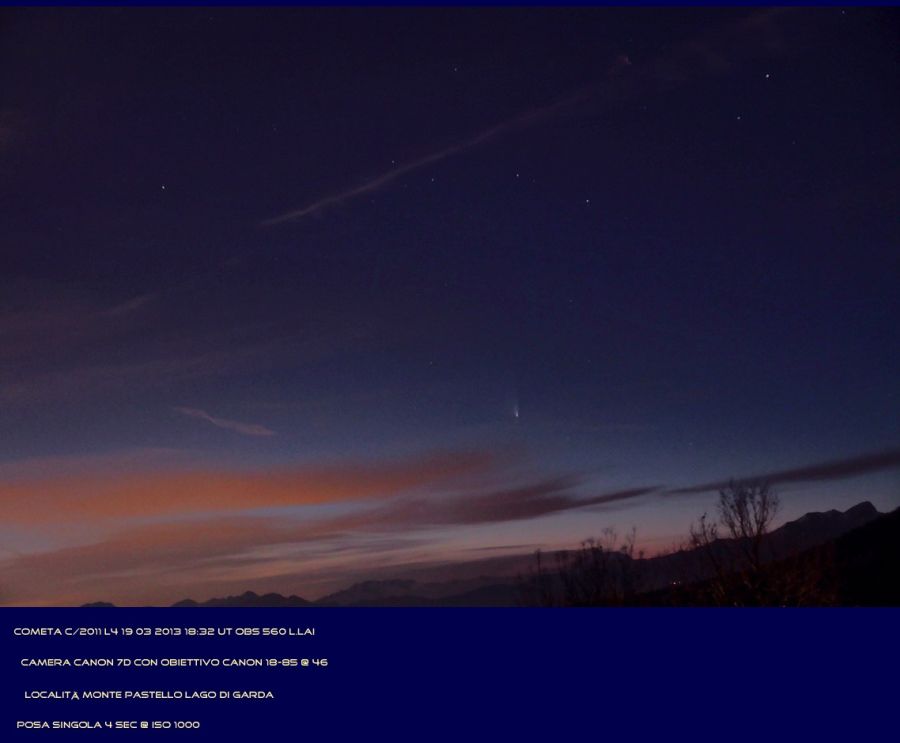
[(293, 297)]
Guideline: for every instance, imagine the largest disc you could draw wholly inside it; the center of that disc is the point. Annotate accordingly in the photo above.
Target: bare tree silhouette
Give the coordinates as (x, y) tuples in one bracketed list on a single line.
[(730, 559), (600, 573), (735, 547)]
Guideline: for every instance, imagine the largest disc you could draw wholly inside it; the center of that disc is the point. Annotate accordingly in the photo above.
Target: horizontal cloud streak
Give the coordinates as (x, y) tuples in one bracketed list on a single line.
[(401, 511), (710, 55), (835, 469), (379, 182), (158, 563), (248, 429), (515, 504), (104, 495)]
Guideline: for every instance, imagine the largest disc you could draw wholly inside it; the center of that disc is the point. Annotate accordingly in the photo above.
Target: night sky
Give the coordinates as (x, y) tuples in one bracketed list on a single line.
[(292, 296)]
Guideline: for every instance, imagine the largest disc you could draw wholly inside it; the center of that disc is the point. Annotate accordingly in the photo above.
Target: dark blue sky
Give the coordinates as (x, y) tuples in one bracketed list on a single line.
[(604, 249)]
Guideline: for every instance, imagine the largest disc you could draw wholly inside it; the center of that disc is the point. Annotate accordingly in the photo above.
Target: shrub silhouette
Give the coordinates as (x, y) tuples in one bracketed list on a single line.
[(728, 560), (600, 573)]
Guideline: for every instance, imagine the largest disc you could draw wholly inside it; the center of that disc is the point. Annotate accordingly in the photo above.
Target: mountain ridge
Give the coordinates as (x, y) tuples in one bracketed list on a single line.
[(807, 531)]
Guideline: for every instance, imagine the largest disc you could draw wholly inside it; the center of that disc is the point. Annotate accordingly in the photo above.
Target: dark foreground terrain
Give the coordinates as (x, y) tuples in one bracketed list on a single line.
[(849, 558)]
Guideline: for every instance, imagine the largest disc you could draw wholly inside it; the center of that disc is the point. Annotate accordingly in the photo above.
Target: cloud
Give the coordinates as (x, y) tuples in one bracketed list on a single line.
[(530, 501), (622, 495), (96, 379), (131, 305), (399, 511), (35, 318), (121, 462), (161, 562), (248, 429), (105, 494), (173, 362), (207, 554), (711, 54), (141, 564), (543, 498), (834, 469), (63, 349), (526, 118)]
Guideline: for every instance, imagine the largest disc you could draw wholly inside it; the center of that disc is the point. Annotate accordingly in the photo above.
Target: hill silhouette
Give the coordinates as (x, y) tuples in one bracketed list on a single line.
[(860, 567), (860, 546), (248, 598)]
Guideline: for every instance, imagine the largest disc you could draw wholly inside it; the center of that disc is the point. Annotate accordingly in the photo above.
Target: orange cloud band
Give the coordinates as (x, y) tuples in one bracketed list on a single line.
[(115, 495)]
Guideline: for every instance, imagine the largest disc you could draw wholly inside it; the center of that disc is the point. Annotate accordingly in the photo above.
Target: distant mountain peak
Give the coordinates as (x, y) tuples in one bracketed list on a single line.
[(248, 598), (866, 508)]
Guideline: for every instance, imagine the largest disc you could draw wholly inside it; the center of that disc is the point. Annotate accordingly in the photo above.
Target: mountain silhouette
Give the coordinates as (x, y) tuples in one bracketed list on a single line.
[(860, 567), (248, 598), (858, 541)]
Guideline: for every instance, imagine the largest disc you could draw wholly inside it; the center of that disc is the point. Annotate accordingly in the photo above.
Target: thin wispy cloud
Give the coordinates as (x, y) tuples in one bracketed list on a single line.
[(835, 469), (378, 182), (530, 501), (131, 305), (826, 471), (181, 358), (187, 552), (710, 55), (248, 429), (182, 557)]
